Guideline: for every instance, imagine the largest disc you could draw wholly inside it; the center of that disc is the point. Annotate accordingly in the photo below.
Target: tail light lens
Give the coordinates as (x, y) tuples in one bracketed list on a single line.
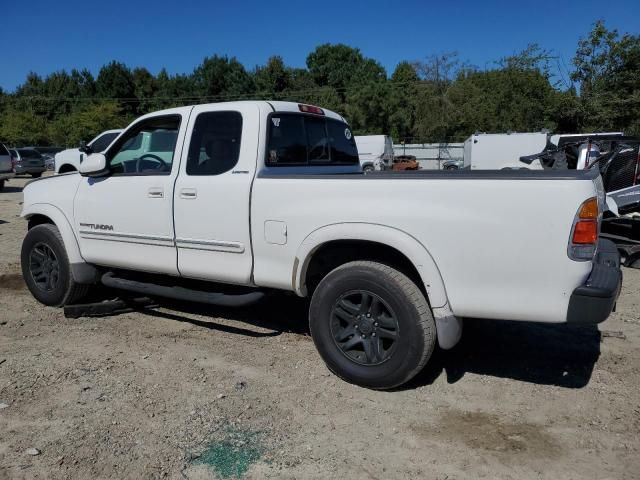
[(585, 230)]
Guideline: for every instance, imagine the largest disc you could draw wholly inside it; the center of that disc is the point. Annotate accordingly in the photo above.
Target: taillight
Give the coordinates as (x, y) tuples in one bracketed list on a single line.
[(310, 109), (584, 233)]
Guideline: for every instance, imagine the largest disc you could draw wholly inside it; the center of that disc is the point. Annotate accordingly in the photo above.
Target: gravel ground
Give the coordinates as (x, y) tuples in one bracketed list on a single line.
[(192, 391)]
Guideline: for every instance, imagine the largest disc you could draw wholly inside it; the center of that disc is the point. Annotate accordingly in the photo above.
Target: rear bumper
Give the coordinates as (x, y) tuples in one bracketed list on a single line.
[(592, 302)]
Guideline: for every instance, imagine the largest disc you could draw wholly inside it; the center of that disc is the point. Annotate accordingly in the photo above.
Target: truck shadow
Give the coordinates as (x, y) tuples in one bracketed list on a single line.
[(278, 313), (561, 355)]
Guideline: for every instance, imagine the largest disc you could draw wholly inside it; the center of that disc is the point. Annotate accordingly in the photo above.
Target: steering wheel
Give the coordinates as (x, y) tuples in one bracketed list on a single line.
[(162, 164)]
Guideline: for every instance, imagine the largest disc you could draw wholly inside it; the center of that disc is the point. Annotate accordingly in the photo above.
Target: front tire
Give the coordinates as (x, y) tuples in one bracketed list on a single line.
[(46, 269), (371, 325)]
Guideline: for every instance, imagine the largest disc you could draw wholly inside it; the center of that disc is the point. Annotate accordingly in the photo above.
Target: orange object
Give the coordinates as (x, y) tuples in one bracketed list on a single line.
[(589, 209)]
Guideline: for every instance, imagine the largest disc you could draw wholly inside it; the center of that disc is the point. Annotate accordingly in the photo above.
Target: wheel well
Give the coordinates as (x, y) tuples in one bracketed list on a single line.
[(338, 252), (66, 168), (39, 220)]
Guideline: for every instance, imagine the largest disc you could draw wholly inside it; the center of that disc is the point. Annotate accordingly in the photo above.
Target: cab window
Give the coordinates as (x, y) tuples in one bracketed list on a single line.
[(215, 143), (298, 139), (147, 148)]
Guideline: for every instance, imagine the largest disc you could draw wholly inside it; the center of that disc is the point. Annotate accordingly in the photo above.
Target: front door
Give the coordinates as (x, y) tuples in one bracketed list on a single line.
[(125, 219), (212, 193)]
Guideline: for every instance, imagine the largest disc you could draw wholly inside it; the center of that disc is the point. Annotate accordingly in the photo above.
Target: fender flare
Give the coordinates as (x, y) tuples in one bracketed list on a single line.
[(64, 226), (409, 246)]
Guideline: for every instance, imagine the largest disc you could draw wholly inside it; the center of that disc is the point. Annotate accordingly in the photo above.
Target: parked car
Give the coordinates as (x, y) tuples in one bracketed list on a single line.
[(69, 160), (375, 152), (405, 162), (453, 164), (49, 161), (230, 200), (27, 160), (6, 166)]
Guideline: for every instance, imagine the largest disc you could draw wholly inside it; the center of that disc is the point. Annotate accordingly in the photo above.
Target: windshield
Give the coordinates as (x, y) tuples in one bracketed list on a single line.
[(296, 139), (101, 143)]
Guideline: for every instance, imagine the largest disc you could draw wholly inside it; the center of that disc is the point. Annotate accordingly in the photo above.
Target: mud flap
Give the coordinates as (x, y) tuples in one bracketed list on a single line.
[(448, 326)]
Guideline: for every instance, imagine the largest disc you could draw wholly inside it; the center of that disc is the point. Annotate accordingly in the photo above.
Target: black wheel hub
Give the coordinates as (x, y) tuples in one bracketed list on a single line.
[(44, 267), (364, 327)]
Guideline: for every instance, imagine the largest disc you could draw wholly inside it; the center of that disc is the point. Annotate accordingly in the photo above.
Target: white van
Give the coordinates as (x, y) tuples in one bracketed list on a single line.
[(375, 152)]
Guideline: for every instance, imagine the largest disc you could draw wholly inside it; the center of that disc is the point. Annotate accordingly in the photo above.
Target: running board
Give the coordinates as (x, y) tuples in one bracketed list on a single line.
[(181, 293)]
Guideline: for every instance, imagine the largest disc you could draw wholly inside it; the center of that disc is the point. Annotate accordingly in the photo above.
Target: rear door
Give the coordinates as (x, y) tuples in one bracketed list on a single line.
[(211, 198)]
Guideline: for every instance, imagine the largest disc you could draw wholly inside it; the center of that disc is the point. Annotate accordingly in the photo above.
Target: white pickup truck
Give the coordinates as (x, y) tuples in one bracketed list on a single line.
[(69, 160), (233, 198)]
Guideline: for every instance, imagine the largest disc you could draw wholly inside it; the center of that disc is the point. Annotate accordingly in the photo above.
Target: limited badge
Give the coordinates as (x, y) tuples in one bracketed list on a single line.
[(347, 134), (276, 122)]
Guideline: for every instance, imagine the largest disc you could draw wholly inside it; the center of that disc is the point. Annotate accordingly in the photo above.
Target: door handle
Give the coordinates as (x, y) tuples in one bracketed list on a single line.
[(155, 192), (188, 193)]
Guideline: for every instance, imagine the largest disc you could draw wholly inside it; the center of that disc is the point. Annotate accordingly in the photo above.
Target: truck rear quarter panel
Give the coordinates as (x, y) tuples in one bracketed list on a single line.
[(499, 245)]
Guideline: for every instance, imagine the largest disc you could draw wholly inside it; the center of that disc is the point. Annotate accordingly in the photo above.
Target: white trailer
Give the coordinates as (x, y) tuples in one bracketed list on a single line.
[(495, 151)]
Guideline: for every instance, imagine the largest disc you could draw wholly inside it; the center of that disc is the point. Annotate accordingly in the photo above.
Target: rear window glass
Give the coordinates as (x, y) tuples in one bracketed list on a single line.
[(101, 143), (295, 139), (29, 154), (3, 150)]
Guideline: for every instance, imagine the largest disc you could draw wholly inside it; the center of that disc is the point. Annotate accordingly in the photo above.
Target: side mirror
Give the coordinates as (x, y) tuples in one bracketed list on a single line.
[(95, 165), (84, 148)]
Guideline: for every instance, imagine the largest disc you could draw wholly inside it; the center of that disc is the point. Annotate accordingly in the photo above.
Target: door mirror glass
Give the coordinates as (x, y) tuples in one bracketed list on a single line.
[(94, 165)]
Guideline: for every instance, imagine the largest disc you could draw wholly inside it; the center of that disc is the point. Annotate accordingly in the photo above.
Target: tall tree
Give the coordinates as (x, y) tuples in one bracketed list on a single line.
[(273, 78), (115, 81), (607, 67), (221, 78)]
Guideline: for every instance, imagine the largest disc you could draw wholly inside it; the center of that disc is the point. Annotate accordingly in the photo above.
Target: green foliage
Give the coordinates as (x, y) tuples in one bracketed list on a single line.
[(23, 127), (85, 123), (607, 66), (434, 100)]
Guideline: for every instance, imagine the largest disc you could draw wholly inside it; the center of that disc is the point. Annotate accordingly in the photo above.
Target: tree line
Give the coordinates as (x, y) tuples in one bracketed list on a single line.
[(437, 99)]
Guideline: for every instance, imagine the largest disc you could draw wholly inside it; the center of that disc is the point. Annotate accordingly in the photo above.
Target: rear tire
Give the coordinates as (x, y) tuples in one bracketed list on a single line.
[(395, 322), (46, 269)]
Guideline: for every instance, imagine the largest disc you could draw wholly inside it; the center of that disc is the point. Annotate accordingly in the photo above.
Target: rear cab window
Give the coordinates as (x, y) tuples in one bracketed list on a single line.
[(302, 139), (29, 153)]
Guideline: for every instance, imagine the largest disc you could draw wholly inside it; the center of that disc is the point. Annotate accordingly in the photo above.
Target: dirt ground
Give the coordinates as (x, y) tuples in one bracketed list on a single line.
[(192, 391)]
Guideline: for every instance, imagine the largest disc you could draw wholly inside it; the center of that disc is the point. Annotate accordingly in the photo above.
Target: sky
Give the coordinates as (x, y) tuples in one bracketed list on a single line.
[(46, 36)]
